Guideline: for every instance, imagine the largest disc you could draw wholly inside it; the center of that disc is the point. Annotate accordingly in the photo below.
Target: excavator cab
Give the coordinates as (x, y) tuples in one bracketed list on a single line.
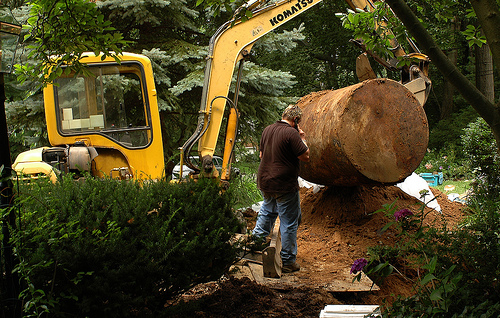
[(104, 121)]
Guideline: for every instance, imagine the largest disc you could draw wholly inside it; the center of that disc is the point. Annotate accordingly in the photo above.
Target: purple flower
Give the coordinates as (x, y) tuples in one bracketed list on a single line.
[(358, 265), (401, 214)]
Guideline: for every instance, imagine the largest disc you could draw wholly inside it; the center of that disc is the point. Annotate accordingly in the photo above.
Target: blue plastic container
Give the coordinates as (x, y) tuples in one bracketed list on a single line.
[(433, 179)]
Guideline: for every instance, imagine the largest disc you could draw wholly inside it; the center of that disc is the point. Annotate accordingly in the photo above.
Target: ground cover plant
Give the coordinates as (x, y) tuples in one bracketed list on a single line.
[(455, 270), (105, 248), (245, 183)]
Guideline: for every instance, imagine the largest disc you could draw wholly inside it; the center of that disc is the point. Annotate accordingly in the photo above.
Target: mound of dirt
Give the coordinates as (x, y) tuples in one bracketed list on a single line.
[(338, 225)]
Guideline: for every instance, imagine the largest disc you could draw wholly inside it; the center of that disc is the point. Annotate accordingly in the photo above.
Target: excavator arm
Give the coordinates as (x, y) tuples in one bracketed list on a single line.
[(230, 44)]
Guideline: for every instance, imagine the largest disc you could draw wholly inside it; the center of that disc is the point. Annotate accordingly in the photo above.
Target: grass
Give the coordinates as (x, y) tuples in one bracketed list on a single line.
[(461, 186)]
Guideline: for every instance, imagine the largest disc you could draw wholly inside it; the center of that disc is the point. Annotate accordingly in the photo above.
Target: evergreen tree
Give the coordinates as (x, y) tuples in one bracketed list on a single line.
[(324, 58)]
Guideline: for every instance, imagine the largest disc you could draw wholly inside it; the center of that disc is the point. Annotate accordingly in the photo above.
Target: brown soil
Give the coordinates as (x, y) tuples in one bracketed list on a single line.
[(337, 228)]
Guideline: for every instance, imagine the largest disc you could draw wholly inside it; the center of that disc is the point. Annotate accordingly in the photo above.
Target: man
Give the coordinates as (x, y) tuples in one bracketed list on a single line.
[(282, 145)]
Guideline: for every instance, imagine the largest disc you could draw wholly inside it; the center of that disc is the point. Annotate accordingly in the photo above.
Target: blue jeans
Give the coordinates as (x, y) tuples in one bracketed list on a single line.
[(287, 207)]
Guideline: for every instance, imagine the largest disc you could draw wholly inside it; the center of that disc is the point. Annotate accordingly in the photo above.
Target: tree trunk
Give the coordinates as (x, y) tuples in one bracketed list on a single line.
[(447, 104), (484, 72), (488, 15)]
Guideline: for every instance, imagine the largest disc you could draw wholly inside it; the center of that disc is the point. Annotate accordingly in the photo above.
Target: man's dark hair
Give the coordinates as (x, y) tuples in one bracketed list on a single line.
[(292, 112)]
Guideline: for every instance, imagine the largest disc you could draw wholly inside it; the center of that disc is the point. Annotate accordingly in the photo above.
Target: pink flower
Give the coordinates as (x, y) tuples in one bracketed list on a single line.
[(428, 166), (358, 265), (401, 214)]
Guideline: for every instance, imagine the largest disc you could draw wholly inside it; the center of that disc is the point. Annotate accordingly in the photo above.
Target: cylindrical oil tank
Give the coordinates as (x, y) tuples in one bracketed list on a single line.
[(372, 132)]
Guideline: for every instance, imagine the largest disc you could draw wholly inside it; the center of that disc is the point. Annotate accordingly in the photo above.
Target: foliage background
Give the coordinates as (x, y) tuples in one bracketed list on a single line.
[(310, 53)]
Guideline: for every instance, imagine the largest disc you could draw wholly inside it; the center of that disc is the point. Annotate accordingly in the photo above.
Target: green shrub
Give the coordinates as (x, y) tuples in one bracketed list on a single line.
[(455, 271), (245, 184), (461, 277), (105, 248), (481, 150), (446, 152)]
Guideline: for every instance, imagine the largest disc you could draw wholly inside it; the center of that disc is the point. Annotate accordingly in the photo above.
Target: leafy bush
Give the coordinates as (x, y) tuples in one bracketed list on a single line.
[(245, 184), (482, 152), (455, 271), (105, 248), (446, 152), (460, 280), (458, 268)]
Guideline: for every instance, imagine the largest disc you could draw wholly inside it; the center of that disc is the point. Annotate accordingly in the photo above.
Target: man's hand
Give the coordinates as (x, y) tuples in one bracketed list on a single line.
[(305, 156), (301, 132)]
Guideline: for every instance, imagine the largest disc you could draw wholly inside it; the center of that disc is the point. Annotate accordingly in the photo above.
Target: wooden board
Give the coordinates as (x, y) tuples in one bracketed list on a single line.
[(341, 283)]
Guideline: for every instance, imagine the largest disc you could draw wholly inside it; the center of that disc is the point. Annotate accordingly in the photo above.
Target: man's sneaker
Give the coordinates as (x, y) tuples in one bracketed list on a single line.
[(289, 268)]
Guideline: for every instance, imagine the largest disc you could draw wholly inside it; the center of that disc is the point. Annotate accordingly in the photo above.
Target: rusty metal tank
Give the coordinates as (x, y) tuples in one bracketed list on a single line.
[(372, 132)]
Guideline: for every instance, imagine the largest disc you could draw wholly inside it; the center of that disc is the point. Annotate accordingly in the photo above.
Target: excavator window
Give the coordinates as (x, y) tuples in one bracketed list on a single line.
[(107, 100)]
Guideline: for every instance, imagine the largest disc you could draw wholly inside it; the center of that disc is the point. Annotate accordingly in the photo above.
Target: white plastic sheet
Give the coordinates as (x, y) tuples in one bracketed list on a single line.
[(306, 184), (413, 184)]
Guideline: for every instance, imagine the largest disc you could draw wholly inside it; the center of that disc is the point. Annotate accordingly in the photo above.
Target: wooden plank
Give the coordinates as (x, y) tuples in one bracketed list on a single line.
[(241, 270), (341, 283), (344, 283), (257, 272), (271, 258)]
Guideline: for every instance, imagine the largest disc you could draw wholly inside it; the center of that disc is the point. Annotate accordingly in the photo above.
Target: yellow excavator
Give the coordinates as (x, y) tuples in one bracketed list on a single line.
[(107, 122)]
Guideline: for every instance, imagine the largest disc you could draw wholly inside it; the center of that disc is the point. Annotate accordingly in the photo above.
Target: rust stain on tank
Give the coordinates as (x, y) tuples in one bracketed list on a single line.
[(372, 132)]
